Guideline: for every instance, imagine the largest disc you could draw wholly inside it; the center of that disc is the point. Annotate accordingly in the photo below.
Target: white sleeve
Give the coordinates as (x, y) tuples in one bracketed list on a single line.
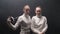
[(14, 27), (45, 27), (32, 27)]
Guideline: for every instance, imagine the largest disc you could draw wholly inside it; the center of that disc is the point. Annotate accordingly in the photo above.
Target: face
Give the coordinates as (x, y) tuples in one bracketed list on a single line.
[(26, 9), (38, 10)]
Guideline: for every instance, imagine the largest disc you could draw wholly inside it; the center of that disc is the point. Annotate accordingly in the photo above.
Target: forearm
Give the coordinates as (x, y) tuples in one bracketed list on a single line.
[(44, 29), (14, 27), (45, 26), (35, 30), (11, 25)]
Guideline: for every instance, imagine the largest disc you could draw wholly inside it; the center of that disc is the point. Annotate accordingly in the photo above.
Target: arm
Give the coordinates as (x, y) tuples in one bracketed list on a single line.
[(45, 27), (14, 27), (32, 27), (35, 30)]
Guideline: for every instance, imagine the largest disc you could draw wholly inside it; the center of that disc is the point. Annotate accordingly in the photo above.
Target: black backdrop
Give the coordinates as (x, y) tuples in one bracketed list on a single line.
[(50, 9)]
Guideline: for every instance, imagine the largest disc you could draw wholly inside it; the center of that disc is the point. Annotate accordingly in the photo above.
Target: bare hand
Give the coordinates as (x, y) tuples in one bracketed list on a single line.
[(41, 33)]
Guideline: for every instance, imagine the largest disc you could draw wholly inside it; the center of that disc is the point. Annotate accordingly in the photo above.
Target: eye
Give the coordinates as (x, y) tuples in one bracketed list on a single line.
[(38, 10), (27, 9)]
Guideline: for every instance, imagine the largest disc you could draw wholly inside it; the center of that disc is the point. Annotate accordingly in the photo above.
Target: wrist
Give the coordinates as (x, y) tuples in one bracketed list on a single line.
[(40, 32)]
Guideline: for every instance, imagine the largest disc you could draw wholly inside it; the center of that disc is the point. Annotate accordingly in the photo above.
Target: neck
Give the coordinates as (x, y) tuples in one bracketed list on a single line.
[(26, 15), (38, 15)]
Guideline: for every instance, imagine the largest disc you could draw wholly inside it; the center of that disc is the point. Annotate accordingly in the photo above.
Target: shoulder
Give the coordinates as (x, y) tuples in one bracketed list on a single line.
[(44, 17), (33, 17), (20, 17)]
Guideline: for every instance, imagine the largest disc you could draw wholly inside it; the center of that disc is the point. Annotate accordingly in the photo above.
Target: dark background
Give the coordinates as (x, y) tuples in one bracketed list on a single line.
[(50, 9)]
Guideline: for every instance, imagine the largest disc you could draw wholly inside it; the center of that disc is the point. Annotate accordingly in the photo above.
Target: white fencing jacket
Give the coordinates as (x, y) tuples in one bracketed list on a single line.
[(24, 21), (39, 24)]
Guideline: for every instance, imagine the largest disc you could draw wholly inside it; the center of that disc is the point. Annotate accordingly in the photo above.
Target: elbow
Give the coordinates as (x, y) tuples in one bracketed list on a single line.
[(47, 27), (14, 28)]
